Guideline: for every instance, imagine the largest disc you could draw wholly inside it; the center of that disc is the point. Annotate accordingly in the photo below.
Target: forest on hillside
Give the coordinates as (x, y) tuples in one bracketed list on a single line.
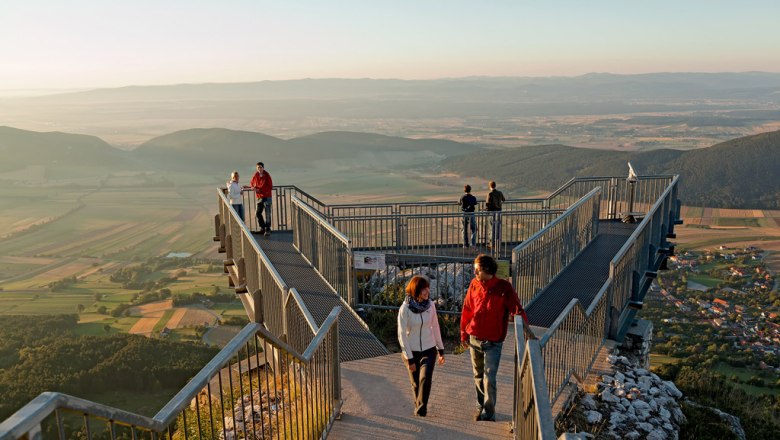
[(740, 173), (43, 353)]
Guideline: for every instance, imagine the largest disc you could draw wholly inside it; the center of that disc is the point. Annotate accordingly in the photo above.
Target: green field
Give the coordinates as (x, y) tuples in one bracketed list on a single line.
[(657, 359), (730, 221), (705, 280), (744, 374)]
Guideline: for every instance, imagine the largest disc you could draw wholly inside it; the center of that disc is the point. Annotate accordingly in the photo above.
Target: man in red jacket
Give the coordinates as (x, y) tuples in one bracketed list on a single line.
[(483, 325), (263, 185)]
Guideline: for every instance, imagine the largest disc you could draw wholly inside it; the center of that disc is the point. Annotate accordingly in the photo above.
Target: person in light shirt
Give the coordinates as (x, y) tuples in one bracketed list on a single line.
[(234, 194), (420, 339)]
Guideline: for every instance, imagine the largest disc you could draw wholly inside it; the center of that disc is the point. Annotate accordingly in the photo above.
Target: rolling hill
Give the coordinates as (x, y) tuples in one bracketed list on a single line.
[(740, 173), (57, 155), (209, 149)]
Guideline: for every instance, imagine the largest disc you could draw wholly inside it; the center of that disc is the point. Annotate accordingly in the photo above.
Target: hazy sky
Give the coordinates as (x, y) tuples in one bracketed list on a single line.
[(68, 44)]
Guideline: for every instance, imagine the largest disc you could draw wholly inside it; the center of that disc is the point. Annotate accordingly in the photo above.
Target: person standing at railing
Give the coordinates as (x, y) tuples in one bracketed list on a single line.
[(467, 203), (263, 185), (234, 194), (489, 303), (420, 339), (495, 199)]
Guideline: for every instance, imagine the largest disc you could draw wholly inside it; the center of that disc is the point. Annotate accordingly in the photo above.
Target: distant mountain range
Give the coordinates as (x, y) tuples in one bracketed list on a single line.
[(590, 87), (740, 173)]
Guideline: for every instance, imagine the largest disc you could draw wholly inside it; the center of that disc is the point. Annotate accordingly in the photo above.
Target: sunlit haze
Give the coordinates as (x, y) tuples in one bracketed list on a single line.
[(91, 43)]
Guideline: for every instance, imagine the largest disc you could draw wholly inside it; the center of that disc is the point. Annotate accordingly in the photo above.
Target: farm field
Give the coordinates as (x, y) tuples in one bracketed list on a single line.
[(708, 228)]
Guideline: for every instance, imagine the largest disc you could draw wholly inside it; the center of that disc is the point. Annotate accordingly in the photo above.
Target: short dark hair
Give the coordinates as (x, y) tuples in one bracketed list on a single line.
[(492, 184), (261, 164), (487, 263), (416, 285), (467, 188)]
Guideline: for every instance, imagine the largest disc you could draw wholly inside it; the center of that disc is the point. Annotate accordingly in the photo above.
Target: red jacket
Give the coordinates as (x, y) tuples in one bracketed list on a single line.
[(262, 185), (486, 310)]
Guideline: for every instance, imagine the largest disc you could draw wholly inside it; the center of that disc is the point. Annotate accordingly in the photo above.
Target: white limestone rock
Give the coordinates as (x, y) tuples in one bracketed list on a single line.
[(671, 388), (608, 397), (657, 434), (588, 402), (593, 417), (633, 435), (646, 427)]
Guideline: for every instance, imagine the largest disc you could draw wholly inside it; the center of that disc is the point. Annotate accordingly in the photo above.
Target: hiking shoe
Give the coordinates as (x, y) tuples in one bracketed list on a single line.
[(267, 232)]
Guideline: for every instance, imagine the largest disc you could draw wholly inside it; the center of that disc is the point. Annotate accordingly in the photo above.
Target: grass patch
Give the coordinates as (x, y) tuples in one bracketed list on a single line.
[(731, 221), (162, 322), (657, 359), (705, 280)]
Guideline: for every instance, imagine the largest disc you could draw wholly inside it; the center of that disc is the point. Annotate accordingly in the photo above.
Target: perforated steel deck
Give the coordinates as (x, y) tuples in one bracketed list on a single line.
[(584, 276), (355, 341)]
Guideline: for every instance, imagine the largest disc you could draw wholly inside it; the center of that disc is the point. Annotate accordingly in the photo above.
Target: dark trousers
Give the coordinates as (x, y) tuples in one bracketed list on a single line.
[(264, 207), (421, 378)]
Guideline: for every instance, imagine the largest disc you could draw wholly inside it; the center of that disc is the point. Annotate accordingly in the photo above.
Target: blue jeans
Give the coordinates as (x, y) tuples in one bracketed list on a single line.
[(240, 210), (264, 207), (468, 218), (485, 357)]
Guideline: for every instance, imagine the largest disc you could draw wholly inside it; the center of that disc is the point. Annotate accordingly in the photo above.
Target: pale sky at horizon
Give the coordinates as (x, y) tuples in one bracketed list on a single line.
[(60, 44)]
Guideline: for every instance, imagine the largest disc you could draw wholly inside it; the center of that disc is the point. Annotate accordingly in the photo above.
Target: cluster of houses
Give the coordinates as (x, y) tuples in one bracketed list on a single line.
[(757, 331)]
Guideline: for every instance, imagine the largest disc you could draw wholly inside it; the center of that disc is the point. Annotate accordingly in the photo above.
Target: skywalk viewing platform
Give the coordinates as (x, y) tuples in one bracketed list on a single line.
[(581, 260)]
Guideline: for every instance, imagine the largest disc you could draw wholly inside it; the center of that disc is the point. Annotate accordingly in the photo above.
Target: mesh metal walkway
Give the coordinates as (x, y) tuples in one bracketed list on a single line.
[(584, 277), (355, 340)]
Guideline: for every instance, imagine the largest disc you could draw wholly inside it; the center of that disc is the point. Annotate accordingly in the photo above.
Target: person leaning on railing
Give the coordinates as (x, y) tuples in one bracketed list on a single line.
[(234, 194), (420, 339), (263, 185), (467, 203), (493, 203), (489, 303)]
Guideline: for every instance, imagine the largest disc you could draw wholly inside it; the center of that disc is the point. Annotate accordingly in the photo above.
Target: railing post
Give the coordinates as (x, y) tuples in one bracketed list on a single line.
[(257, 307)]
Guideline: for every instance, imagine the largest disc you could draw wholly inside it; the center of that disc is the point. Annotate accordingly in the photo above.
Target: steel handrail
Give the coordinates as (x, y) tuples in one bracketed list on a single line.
[(32, 414), (571, 181), (321, 220), (643, 224), (295, 296), (566, 213), (445, 215), (261, 254)]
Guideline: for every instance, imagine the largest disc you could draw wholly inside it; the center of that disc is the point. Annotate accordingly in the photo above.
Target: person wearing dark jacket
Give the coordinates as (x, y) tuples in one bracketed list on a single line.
[(488, 304), (494, 202), (420, 339), (467, 203)]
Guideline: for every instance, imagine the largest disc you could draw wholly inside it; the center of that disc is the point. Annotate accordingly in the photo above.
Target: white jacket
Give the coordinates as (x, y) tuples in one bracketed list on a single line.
[(234, 193), (418, 331)]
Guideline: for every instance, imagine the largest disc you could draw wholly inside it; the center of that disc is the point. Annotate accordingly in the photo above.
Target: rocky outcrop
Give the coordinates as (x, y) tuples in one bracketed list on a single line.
[(633, 403), (448, 283), (732, 421)]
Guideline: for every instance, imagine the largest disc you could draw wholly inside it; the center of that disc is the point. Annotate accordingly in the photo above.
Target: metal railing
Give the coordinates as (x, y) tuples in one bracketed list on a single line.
[(541, 258), (254, 271), (633, 267), (442, 234), (325, 247), (620, 195), (240, 393), (569, 347), (532, 415), (280, 206)]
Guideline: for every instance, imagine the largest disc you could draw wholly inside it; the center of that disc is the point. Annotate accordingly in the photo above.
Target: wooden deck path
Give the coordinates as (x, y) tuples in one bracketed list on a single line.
[(378, 400)]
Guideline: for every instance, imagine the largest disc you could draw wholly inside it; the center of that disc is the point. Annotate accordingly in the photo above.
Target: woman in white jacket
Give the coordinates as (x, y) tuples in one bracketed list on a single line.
[(234, 194), (420, 339)]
